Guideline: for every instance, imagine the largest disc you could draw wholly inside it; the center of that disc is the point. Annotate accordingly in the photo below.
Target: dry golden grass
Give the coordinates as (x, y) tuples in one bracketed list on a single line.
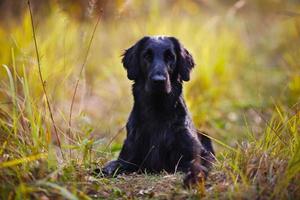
[(245, 91)]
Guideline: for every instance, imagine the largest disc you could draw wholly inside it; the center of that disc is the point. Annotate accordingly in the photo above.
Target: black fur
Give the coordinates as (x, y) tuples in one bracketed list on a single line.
[(160, 133)]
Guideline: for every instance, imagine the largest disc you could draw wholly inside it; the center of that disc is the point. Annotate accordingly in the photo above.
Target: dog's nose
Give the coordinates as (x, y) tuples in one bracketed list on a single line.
[(158, 78)]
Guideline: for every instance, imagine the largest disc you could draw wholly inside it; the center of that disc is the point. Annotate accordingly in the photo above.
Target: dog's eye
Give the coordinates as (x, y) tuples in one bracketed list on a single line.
[(168, 55), (148, 55)]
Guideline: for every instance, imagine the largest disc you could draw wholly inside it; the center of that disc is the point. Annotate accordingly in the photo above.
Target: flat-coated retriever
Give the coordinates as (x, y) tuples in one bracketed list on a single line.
[(160, 133)]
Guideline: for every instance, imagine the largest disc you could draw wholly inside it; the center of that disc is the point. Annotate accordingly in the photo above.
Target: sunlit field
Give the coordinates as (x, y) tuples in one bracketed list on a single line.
[(244, 92)]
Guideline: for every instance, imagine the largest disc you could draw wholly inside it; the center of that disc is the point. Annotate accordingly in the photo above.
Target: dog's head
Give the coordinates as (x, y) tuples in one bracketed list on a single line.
[(158, 62)]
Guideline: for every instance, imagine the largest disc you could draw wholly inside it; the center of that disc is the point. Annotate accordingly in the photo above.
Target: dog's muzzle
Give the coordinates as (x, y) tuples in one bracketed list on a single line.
[(159, 83)]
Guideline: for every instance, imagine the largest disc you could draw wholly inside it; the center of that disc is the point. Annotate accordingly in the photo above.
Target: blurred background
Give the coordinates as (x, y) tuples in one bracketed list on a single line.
[(246, 52), (244, 92)]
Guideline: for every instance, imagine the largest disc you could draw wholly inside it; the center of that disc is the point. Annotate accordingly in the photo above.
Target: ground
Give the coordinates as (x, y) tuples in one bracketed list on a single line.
[(244, 92)]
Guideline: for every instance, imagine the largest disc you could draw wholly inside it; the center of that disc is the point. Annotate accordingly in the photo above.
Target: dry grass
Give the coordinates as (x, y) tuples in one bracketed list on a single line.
[(245, 91)]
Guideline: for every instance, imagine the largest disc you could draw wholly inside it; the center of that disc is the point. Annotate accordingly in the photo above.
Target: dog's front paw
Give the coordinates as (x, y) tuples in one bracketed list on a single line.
[(111, 168), (193, 179)]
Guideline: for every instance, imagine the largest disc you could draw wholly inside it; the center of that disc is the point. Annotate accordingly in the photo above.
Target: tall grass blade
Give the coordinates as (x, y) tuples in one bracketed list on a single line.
[(14, 98), (80, 73), (42, 80)]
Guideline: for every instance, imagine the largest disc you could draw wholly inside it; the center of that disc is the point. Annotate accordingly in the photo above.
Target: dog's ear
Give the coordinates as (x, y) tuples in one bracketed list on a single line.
[(185, 61), (131, 59)]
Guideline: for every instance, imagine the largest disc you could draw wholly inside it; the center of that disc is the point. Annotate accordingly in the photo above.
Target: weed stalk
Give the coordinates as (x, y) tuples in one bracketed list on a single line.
[(42, 80)]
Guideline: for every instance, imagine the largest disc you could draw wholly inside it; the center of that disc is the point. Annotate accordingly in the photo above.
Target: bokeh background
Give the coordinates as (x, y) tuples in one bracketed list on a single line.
[(247, 65)]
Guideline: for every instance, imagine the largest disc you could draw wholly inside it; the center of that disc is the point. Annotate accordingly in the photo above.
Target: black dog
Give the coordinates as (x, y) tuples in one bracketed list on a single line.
[(160, 133)]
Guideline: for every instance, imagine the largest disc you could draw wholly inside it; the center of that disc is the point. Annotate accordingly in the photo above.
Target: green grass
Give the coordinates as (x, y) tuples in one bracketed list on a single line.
[(244, 91)]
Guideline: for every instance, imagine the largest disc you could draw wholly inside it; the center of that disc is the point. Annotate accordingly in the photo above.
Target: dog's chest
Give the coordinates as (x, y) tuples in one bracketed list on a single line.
[(156, 147)]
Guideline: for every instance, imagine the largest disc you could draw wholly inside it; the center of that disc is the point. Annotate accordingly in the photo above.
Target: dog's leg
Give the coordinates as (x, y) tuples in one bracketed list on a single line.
[(196, 162), (206, 142), (207, 155), (126, 163)]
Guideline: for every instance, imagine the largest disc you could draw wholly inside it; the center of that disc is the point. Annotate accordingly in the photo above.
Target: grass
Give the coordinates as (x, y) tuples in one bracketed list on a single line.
[(244, 91)]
